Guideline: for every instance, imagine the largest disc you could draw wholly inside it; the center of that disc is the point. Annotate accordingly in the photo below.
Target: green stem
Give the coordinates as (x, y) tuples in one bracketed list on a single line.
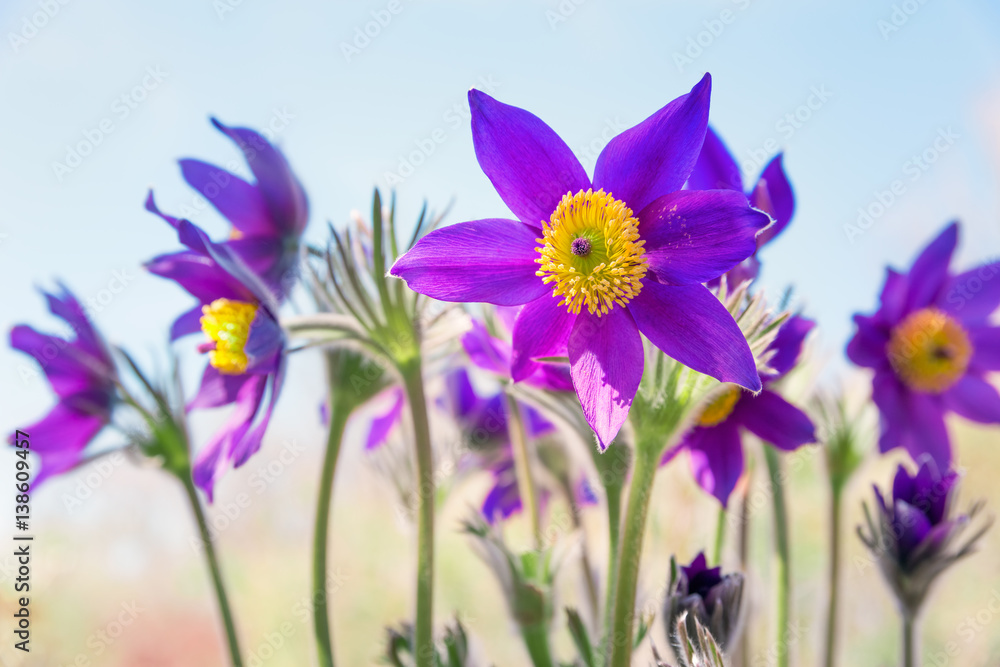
[(831, 614), (909, 640), (321, 614), (536, 639), (613, 466), (782, 551), (744, 548), (621, 634), (213, 566), (424, 623), (522, 469), (720, 536)]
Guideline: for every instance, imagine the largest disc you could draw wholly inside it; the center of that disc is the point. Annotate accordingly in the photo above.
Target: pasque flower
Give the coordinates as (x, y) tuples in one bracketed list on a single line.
[(915, 531), (597, 261), (772, 193), (82, 375), (931, 345), (715, 442), (707, 597)]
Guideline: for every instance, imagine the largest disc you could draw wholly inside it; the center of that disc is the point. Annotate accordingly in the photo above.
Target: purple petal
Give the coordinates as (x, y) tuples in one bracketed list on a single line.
[(975, 399), (238, 201), (383, 424), (973, 295), (690, 325), (152, 208), (773, 195), (927, 431), (693, 236), (485, 351), (265, 343), (903, 486), (199, 275), (553, 377), (774, 420), (67, 307), (250, 444), (484, 260), (186, 323), (606, 362), (528, 164), (503, 500), (715, 169), (281, 190), (461, 394), (893, 297), (717, 458), (867, 347), (985, 348), (929, 274), (65, 365), (787, 345), (217, 389), (59, 439), (655, 157), (889, 397), (541, 329), (911, 525)]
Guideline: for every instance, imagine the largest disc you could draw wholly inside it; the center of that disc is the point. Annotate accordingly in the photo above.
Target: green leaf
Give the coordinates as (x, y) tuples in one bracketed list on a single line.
[(578, 631)]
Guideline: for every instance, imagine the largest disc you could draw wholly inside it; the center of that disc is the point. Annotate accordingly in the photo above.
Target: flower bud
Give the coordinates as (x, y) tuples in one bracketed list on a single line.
[(699, 595)]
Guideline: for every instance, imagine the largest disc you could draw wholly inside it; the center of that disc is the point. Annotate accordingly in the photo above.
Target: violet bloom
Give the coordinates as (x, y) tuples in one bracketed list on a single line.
[(772, 193), (267, 217), (706, 596), (598, 261), (495, 354), (931, 345), (246, 351), (83, 376), (715, 443), (914, 533)]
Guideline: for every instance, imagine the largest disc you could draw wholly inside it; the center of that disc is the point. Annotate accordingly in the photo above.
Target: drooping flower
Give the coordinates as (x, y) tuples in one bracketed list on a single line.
[(931, 345), (704, 595), (246, 348), (772, 193), (915, 532), (598, 261), (267, 217), (82, 374), (715, 443)]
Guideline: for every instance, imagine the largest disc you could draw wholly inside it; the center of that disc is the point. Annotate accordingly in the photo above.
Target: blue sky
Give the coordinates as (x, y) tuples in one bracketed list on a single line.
[(347, 112)]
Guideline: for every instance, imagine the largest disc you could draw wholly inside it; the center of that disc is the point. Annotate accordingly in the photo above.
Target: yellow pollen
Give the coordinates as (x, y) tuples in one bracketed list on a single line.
[(720, 407), (604, 271), (228, 324), (929, 351)]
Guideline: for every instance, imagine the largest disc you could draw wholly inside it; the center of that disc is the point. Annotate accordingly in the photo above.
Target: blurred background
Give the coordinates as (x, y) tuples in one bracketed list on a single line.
[(859, 94)]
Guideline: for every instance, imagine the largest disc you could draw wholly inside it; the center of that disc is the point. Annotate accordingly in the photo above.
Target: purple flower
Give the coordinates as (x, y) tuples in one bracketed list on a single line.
[(246, 351), (267, 217), (598, 261), (494, 355), (706, 596), (914, 532), (772, 193), (931, 344), (83, 376), (715, 443)]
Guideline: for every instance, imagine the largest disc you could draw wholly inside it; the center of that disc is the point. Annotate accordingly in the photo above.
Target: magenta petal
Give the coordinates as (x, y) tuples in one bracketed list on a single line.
[(606, 361), (217, 389), (58, 358), (867, 347), (716, 458), (774, 420), (975, 399), (773, 195), (199, 275), (59, 439), (690, 325), (238, 201), (715, 169), (383, 424), (655, 157), (693, 236), (484, 260), (528, 164), (973, 295), (250, 444), (186, 323), (985, 348), (485, 351), (929, 273), (927, 431), (541, 329)]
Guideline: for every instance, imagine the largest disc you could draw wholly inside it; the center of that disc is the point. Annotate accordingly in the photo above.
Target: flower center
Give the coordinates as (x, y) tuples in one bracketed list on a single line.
[(929, 351), (227, 323), (720, 407), (591, 252)]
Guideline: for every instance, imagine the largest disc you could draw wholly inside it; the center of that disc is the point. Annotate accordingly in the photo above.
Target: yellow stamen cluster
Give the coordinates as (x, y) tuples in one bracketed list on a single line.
[(604, 269), (720, 407), (228, 324), (929, 350)]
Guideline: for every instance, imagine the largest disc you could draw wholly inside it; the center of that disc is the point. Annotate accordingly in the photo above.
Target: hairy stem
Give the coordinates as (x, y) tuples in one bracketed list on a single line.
[(782, 552), (830, 655)]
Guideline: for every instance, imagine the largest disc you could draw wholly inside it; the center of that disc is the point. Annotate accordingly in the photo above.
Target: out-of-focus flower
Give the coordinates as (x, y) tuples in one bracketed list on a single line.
[(494, 354), (598, 261), (772, 193), (704, 596), (915, 532), (715, 443), (267, 217), (82, 374), (931, 344)]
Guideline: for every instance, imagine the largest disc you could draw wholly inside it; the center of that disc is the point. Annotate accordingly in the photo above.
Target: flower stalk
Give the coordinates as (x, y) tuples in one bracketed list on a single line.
[(781, 550), (526, 486)]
